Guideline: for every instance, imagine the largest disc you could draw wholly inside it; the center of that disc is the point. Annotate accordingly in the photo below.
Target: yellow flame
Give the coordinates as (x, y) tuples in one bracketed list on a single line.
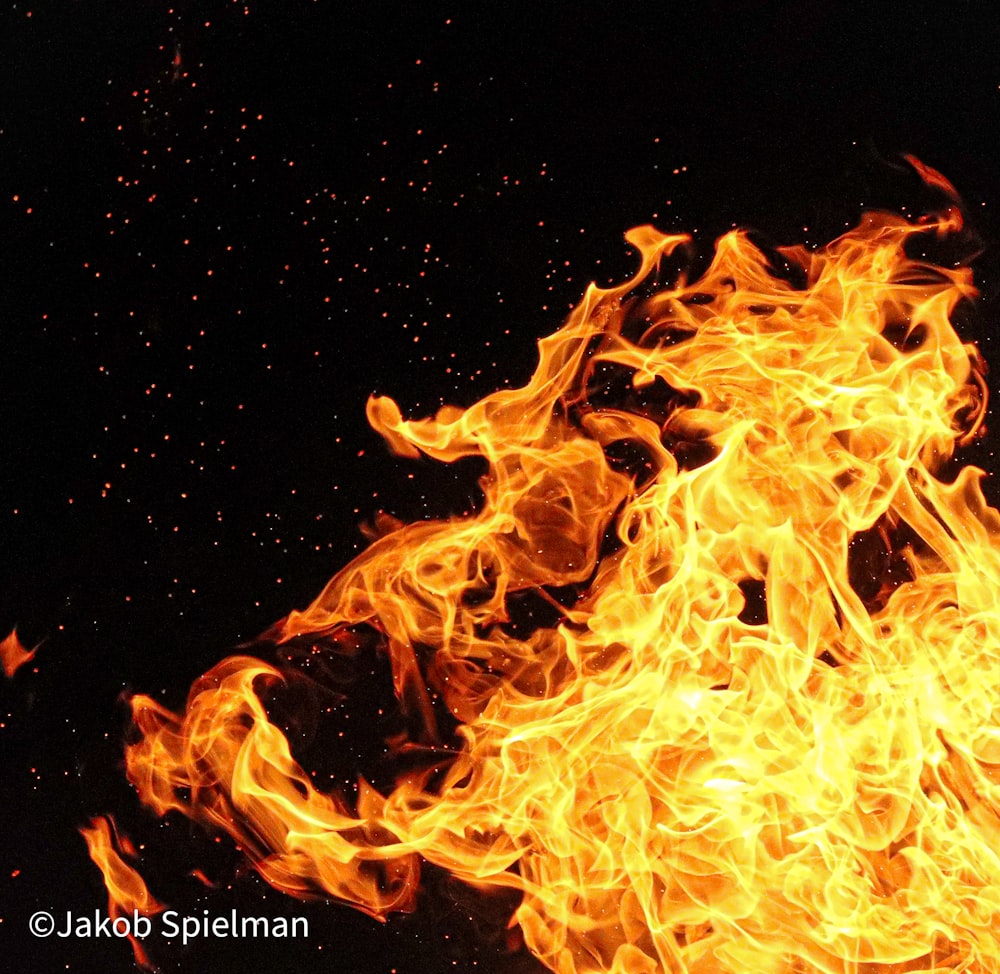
[(672, 782)]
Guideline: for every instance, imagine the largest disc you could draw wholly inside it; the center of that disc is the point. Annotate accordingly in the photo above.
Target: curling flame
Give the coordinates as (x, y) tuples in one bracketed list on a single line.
[(127, 890), (764, 732), (13, 654)]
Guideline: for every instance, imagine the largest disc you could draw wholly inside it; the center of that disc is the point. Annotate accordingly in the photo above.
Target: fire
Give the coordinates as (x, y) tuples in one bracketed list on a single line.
[(13, 654), (127, 890), (763, 732)]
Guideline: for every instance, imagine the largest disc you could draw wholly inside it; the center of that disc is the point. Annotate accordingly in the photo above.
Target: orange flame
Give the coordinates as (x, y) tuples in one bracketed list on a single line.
[(13, 654), (764, 732), (127, 890)]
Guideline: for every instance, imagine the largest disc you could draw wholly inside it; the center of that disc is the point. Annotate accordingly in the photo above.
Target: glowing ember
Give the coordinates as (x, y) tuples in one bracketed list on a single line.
[(13, 655), (763, 732), (127, 890)]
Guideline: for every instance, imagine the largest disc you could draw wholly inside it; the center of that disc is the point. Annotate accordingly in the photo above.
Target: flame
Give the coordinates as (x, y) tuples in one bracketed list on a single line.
[(763, 733), (127, 890), (13, 654)]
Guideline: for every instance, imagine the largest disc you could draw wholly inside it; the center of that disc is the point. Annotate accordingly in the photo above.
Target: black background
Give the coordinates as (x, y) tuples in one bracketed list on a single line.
[(209, 265)]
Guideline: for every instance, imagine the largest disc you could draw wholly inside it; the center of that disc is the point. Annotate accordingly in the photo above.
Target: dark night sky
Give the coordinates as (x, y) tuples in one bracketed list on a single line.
[(209, 265)]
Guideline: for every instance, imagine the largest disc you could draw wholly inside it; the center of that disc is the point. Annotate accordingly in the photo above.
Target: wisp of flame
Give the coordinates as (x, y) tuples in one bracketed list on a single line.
[(13, 654), (763, 732), (127, 891)]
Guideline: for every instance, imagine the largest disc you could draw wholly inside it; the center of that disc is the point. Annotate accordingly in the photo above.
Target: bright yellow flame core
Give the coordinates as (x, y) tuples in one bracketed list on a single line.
[(673, 788)]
